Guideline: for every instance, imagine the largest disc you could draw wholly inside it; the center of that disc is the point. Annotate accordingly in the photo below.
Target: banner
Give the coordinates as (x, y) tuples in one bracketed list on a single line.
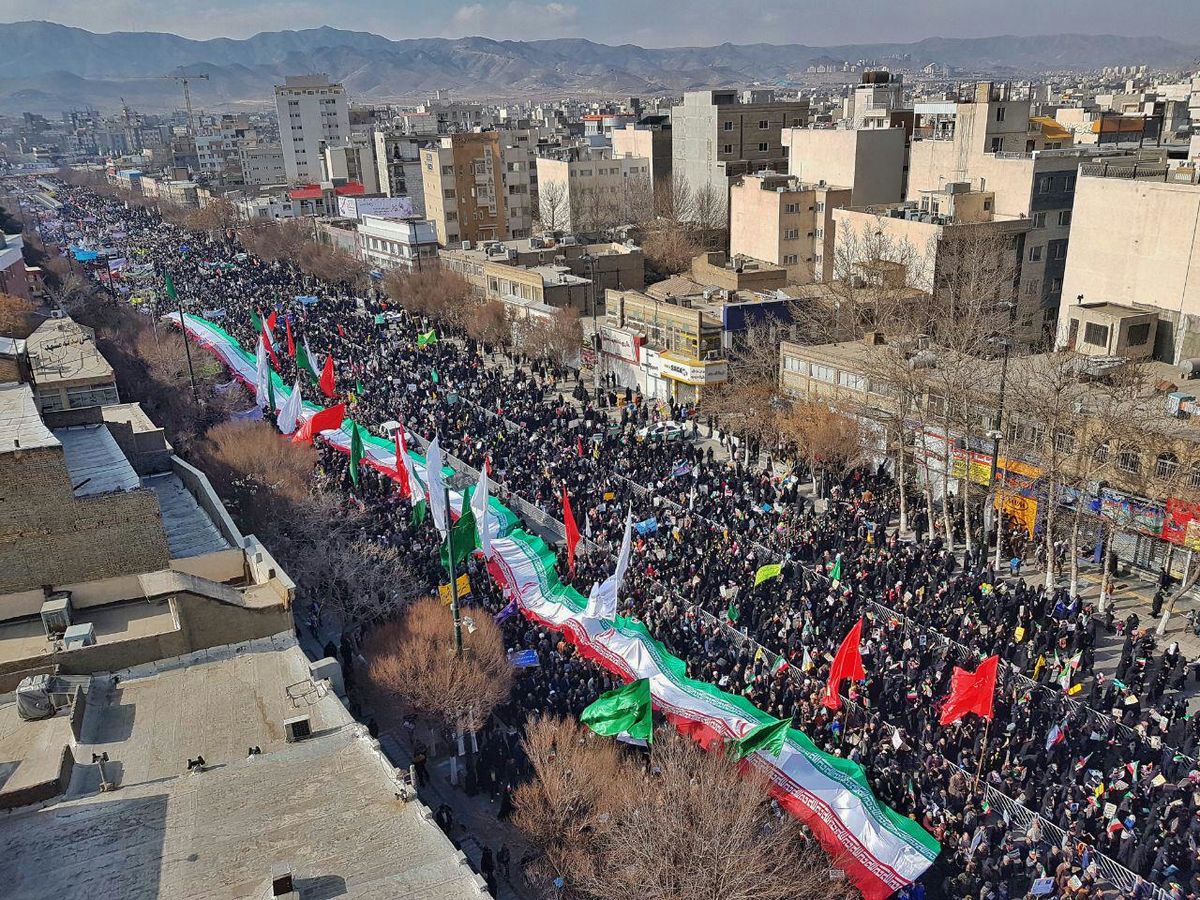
[(879, 849)]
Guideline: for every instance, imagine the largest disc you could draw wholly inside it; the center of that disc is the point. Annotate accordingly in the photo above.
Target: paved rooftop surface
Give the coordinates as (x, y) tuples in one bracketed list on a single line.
[(21, 426), (95, 462), (64, 350), (26, 638), (30, 752), (190, 532), (326, 806)]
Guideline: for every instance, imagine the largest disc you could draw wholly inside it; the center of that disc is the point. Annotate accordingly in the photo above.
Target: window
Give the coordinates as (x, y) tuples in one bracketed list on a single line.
[(1064, 218), (1045, 184), (448, 193), (1101, 453), (997, 145), (1129, 460), (791, 208), (1039, 220), (1166, 465), (791, 234), (1070, 184), (821, 207), (762, 146), (823, 373), (1055, 286), (999, 113), (1095, 334), (1138, 334), (1064, 441), (789, 259), (795, 364), (820, 233), (727, 126), (852, 381), (1060, 250), (1194, 477), (727, 148), (763, 124), (1035, 253)]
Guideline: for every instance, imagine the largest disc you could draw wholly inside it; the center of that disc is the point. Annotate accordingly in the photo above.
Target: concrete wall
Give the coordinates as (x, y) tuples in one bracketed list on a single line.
[(870, 161), (1134, 242), (49, 536)]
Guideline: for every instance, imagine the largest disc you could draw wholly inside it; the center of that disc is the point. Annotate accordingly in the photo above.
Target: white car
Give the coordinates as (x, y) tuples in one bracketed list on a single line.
[(661, 431)]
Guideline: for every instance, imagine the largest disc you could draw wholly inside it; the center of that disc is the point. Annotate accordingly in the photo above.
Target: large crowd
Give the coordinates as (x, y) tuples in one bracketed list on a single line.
[(1107, 758)]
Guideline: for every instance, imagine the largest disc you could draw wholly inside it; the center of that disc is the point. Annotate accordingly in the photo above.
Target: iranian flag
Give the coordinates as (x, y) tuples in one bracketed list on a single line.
[(625, 713)]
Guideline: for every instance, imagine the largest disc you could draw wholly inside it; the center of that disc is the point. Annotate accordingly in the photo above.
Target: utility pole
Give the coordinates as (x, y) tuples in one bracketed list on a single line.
[(455, 612)]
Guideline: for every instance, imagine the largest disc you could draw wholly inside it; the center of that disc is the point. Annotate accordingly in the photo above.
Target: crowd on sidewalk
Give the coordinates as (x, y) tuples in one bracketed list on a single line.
[(1106, 758)]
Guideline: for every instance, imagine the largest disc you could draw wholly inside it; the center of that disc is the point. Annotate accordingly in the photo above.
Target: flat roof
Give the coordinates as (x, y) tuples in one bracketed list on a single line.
[(21, 425), (25, 639), (325, 807), (95, 463), (190, 531), (64, 350)]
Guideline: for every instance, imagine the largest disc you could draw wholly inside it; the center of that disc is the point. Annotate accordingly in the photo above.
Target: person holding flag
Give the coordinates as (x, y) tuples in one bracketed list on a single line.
[(847, 664)]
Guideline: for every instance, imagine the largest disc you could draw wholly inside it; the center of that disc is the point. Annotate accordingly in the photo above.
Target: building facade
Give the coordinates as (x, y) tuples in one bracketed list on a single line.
[(590, 190), (312, 112), (869, 161), (463, 180), (406, 244)]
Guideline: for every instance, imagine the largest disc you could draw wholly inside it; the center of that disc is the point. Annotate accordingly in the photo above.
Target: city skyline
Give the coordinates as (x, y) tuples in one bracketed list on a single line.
[(694, 22)]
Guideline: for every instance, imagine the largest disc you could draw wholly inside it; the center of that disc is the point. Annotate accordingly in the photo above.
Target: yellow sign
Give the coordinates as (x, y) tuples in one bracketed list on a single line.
[(1019, 634), (464, 589), (1022, 509)]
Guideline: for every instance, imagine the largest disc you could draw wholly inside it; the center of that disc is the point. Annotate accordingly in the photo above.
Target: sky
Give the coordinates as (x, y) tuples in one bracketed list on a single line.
[(657, 23)]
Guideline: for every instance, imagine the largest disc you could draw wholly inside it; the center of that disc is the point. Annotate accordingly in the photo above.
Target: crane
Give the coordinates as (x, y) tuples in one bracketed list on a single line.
[(185, 79)]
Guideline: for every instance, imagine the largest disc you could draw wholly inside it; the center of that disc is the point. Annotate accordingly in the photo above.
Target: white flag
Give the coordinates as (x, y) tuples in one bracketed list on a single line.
[(262, 376), (437, 487), (289, 413), (602, 601), (479, 506)]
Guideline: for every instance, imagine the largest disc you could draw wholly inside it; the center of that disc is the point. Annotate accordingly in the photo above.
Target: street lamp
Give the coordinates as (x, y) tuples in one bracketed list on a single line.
[(996, 435)]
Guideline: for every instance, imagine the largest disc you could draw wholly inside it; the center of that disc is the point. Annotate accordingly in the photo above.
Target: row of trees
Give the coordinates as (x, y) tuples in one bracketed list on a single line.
[(681, 823)]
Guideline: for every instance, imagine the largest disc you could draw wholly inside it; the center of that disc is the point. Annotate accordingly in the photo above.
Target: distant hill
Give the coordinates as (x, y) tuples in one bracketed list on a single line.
[(48, 67)]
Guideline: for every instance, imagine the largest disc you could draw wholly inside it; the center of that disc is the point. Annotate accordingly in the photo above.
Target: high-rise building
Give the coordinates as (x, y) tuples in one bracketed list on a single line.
[(313, 112), (398, 161), (464, 188)]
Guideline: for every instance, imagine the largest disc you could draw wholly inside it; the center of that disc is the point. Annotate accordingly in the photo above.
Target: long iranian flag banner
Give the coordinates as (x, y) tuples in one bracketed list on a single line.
[(880, 850)]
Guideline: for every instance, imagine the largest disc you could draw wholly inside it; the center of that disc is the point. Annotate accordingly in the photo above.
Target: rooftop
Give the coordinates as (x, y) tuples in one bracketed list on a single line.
[(190, 530), (95, 462), (63, 350), (326, 808), (21, 426)]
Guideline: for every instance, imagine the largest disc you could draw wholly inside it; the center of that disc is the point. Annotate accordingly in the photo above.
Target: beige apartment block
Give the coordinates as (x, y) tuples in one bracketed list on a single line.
[(463, 180), (1135, 240), (870, 161), (591, 189), (653, 144), (787, 222)]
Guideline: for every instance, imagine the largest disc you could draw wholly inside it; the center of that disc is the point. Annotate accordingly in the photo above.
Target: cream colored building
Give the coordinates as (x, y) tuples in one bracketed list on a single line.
[(870, 161), (591, 189), (1135, 241), (463, 180), (649, 142), (782, 220)]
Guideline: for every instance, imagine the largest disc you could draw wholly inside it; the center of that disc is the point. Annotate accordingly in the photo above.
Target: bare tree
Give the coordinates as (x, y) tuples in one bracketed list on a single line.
[(16, 316), (670, 249), (552, 205), (828, 441), (414, 657), (491, 324)]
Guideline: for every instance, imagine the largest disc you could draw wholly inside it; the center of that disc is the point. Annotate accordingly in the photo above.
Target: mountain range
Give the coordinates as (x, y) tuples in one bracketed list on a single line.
[(45, 67)]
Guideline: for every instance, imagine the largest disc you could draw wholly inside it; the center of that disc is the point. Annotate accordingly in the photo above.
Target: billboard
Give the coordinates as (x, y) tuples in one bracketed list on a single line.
[(384, 207)]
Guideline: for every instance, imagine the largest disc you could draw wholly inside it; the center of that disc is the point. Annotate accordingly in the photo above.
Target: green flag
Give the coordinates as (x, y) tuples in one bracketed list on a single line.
[(170, 287), (418, 512), (625, 713), (767, 572), (768, 737), (356, 451), (836, 574), (256, 321), (358, 388), (434, 376), (462, 538), (733, 613), (303, 363), (427, 338)]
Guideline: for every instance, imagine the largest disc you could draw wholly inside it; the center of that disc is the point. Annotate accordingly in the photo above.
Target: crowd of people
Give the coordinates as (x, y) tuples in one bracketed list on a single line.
[(1107, 758)]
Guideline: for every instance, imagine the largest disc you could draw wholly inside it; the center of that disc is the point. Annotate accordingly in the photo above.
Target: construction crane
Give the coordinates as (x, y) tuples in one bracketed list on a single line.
[(185, 79)]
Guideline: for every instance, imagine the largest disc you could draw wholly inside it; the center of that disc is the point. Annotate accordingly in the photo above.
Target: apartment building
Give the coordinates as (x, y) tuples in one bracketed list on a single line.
[(719, 135), (874, 99), (312, 112), (262, 164), (589, 189), (787, 222), (463, 177), (13, 277), (398, 164), (649, 138), (537, 289), (949, 238), (405, 244), (987, 138), (871, 162), (353, 160), (1135, 241)]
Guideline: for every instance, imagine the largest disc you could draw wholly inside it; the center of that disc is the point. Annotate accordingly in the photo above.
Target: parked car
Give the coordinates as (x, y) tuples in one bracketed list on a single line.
[(661, 431)]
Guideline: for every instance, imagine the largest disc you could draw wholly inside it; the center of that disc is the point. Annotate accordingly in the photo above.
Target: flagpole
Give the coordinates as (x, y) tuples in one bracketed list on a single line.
[(187, 347), (982, 753), (454, 610)]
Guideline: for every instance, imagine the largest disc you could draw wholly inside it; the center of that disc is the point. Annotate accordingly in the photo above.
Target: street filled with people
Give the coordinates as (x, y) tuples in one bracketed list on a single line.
[(1086, 770)]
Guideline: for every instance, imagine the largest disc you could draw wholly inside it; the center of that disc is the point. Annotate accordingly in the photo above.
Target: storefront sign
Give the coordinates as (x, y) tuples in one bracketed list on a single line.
[(693, 372)]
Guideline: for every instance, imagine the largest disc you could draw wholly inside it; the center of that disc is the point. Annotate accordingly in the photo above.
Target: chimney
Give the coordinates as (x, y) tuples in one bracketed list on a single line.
[(875, 338)]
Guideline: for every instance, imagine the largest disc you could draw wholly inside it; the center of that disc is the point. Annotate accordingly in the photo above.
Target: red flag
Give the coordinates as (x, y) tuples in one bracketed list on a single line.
[(341, 331), (401, 468), (326, 382), (325, 420), (269, 344), (847, 664), (287, 324), (572, 530), (579, 445), (271, 320), (971, 692)]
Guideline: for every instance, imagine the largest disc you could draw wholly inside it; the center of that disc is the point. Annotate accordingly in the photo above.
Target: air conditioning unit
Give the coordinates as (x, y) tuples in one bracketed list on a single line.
[(297, 729), (58, 314), (466, 245), (81, 635), (56, 614)]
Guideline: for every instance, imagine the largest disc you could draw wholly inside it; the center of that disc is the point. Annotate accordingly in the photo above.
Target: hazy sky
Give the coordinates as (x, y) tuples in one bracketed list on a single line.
[(651, 23)]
